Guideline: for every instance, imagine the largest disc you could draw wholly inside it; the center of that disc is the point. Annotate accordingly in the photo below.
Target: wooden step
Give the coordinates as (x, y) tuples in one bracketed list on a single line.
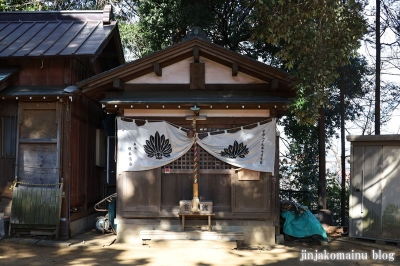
[(190, 235)]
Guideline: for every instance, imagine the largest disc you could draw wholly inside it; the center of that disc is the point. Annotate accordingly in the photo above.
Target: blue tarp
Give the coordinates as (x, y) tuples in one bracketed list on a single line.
[(302, 224)]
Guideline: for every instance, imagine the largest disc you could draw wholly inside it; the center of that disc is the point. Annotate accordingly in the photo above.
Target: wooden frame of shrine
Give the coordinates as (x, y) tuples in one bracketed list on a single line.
[(197, 89)]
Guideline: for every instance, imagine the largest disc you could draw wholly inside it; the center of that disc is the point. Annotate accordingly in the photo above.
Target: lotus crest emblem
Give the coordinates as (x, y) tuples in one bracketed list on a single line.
[(235, 150), (158, 146)]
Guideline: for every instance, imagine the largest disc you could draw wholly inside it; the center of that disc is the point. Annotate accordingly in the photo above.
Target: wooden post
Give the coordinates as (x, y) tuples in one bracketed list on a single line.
[(195, 201)]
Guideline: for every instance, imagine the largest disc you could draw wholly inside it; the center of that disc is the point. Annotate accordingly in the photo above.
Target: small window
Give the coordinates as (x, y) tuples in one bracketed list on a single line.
[(8, 136)]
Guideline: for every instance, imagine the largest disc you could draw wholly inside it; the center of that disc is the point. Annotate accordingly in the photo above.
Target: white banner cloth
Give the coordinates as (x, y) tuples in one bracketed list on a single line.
[(253, 149), (149, 146), (158, 143)]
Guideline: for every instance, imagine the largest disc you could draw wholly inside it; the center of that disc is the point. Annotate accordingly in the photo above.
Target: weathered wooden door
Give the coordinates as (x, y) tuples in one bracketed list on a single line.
[(37, 201), (38, 143)]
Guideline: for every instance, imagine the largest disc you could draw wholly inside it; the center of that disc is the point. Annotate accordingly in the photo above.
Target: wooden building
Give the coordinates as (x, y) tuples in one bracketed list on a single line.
[(374, 204), (227, 90), (48, 126)]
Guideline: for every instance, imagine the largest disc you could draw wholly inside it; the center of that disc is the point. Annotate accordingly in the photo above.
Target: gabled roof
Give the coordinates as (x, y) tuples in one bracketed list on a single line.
[(276, 81), (56, 33)]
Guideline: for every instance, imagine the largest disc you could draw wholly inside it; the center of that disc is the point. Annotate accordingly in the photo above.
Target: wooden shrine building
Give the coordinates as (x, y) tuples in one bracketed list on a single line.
[(48, 128), (224, 92)]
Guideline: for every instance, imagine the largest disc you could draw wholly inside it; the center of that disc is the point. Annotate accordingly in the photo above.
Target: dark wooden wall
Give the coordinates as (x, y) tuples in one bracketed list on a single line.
[(7, 166), (86, 179), (56, 71), (152, 194)]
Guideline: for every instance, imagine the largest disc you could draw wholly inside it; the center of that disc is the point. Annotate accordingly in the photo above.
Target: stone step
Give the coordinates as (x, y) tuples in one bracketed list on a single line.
[(190, 239), (190, 235)]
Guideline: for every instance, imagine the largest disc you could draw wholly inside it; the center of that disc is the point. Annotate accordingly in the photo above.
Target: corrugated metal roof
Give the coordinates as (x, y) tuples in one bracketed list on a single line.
[(50, 33)]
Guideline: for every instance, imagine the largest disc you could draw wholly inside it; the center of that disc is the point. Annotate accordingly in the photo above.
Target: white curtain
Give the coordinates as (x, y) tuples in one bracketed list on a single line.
[(149, 146), (158, 143), (253, 149)]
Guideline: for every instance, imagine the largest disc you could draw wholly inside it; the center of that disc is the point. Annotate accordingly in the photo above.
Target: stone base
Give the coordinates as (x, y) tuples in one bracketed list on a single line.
[(254, 232)]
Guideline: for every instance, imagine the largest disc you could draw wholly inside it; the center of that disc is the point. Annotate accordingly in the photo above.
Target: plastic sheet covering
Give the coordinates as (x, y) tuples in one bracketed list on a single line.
[(300, 222)]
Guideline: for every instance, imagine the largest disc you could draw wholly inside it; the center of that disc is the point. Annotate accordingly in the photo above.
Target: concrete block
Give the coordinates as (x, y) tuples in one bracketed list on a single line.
[(280, 239)]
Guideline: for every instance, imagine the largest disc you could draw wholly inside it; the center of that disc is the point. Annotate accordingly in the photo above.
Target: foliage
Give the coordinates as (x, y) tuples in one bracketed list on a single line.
[(32, 5), (333, 196), (299, 169), (299, 164), (165, 22), (315, 39), (356, 86)]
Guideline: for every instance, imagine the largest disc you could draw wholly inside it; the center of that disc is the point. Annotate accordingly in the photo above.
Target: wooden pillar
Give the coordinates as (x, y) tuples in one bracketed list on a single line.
[(195, 201)]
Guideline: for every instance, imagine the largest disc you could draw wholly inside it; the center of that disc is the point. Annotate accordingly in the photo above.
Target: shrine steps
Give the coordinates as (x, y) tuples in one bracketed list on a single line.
[(192, 238)]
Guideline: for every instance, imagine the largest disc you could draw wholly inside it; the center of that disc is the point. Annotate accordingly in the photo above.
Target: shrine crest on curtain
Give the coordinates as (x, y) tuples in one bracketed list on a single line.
[(155, 144)]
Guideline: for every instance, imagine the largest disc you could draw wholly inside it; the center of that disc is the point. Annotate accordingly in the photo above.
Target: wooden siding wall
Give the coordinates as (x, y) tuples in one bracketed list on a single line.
[(56, 71), (86, 178), (7, 166), (215, 187), (152, 194)]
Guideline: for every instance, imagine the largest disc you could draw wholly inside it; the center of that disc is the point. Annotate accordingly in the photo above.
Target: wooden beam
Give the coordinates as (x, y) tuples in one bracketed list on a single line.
[(274, 84), (196, 54), (157, 69), (221, 122), (235, 69), (212, 87), (197, 76), (118, 84)]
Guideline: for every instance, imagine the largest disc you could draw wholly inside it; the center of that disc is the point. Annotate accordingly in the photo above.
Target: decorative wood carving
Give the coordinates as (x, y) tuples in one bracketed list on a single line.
[(107, 15)]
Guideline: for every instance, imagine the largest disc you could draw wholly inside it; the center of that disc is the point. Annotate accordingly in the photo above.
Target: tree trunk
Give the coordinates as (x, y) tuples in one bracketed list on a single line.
[(322, 162), (343, 153), (378, 69)]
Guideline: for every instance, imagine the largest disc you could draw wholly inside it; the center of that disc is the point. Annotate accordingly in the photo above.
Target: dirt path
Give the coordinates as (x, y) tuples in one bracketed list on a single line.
[(291, 253)]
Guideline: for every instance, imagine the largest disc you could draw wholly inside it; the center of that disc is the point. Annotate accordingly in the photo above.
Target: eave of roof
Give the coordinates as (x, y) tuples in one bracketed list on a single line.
[(34, 91), (193, 97), (7, 75)]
